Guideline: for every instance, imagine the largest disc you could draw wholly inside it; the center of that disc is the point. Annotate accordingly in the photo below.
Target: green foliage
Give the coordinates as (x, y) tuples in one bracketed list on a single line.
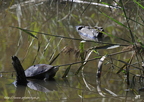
[(48, 26), (28, 32), (66, 72), (81, 47), (139, 4)]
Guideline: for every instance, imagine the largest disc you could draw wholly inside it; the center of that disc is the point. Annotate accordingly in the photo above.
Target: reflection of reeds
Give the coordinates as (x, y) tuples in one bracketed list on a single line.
[(138, 48), (59, 20), (69, 50)]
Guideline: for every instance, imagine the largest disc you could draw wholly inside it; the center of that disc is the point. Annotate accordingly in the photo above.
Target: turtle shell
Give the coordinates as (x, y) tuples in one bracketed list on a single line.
[(41, 71)]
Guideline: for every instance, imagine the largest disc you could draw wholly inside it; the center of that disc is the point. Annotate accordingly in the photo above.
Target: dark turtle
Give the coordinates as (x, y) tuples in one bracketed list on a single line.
[(90, 33), (41, 71)]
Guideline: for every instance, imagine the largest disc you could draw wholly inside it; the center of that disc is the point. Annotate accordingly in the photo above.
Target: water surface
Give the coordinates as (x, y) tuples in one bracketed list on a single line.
[(57, 18)]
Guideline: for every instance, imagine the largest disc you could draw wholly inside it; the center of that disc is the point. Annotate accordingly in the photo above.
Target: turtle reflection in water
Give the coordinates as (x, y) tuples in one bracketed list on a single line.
[(90, 33), (41, 71), (43, 86)]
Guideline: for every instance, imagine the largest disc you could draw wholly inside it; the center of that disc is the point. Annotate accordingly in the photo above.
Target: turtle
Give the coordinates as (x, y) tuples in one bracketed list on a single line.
[(90, 33), (41, 71), (38, 71)]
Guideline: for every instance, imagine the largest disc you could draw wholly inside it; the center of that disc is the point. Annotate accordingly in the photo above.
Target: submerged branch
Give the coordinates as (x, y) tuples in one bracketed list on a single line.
[(99, 70), (92, 3)]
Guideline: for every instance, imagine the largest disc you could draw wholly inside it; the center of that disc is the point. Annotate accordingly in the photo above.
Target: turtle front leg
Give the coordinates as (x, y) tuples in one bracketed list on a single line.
[(46, 77)]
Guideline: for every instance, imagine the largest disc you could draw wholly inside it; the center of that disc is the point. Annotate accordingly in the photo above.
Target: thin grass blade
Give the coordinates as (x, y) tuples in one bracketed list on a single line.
[(80, 68), (81, 47), (119, 23), (54, 58), (27, 32), (66, 72), (139, 4)]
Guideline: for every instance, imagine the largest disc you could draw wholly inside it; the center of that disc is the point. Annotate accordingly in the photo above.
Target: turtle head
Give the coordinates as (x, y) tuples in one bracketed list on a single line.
[(51, 73)]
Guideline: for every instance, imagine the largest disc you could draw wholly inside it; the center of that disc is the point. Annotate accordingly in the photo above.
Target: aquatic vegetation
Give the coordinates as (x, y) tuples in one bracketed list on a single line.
[(44, 32)]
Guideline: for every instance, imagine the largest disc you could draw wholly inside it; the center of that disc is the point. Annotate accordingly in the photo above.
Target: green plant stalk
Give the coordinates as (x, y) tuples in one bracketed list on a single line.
[(66, 72), (80, 68), (114, 20), (27, 32), (138, 4), (132, 36), (54, 58), (81, 47)]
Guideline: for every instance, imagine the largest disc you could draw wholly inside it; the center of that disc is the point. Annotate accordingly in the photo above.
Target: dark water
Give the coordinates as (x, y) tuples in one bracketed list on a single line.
[(57, 18)]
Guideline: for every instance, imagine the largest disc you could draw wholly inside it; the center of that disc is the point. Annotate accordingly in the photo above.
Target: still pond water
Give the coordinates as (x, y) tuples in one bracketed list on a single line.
[(56, 18)]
